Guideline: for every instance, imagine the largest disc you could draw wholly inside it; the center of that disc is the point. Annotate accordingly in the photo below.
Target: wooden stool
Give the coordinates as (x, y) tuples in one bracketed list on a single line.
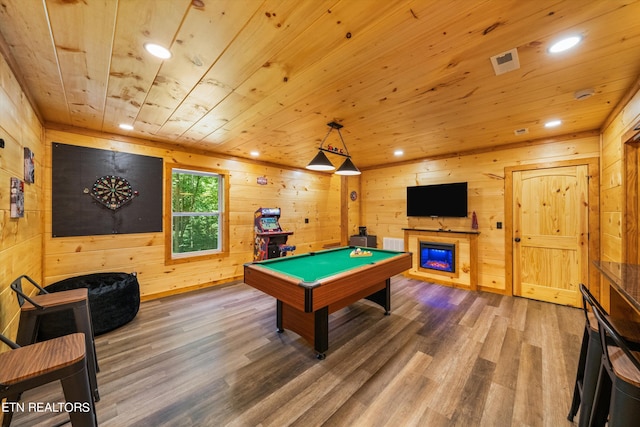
[(76, 300), (64, 359), (617, 399), (591, 357)]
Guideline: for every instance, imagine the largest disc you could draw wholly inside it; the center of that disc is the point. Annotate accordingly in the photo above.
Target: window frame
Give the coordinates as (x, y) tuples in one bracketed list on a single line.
[(223, 214)]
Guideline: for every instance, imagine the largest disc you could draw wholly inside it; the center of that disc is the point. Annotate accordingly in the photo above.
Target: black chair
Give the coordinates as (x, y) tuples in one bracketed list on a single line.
[(588, 363), (591, 356), (64, 359), (617, 399), (75, 301)]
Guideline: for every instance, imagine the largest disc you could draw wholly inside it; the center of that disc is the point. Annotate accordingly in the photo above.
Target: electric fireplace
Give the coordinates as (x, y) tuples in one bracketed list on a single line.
[(438, 256)]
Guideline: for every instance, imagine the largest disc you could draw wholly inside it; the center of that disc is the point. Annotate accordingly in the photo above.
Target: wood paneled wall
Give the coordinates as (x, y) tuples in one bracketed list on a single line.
[(21, 238), (612, 194), (384, 194), (300, 194), (612, 191)]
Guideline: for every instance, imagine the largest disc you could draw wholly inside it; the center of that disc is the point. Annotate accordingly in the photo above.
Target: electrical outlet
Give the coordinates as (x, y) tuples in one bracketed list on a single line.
[(1, 143), (498, 225)]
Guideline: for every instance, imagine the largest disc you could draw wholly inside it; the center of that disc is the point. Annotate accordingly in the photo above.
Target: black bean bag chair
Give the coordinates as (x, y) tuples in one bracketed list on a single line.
[(114, 300)]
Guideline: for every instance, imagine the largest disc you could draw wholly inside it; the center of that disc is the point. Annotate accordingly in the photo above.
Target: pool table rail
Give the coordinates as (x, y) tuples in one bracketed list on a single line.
[(358, 281), (280, 286)]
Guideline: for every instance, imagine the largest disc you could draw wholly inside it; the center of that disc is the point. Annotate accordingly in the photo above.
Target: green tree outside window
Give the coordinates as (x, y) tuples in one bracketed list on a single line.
[(196, 211)]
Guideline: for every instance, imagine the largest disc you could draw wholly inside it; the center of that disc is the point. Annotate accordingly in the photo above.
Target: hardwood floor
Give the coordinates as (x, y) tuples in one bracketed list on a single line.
[(445, 357)]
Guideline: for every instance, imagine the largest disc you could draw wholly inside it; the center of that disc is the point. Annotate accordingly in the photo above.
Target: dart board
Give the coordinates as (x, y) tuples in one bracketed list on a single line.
[(112, 191)]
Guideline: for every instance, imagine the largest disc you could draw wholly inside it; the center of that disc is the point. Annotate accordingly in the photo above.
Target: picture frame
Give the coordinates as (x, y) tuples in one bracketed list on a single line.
[(17, 198), (29, 166)]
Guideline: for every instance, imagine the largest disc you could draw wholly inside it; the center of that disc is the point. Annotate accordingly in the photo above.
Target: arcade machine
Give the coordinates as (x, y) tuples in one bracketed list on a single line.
[(271, 241)]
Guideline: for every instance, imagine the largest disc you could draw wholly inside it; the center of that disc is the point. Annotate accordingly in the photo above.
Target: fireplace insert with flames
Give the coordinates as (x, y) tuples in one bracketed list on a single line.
[(438, 256)]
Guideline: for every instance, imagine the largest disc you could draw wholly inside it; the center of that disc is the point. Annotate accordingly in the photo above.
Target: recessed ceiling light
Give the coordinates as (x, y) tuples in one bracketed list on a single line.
[(157, 50), (553, 123), (125, 126), (565, 44), (398, 153), (254, 153)]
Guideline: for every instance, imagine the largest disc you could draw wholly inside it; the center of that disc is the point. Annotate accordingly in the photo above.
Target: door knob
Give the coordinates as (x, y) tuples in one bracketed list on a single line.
[(517, 239)]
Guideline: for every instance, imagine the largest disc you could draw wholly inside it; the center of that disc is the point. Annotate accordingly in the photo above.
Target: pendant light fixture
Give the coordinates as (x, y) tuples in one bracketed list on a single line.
[(321, 163)]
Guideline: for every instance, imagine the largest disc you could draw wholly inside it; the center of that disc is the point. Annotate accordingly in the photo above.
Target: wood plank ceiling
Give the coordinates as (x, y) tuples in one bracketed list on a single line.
[(268, 75)]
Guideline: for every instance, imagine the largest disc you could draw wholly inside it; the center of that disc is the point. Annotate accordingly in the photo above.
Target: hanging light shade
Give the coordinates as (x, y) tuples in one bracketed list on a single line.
[(320, 163), (348, 168)]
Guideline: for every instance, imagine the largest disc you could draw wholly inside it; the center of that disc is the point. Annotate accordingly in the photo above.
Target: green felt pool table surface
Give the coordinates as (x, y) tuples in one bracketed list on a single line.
[(315, 266)]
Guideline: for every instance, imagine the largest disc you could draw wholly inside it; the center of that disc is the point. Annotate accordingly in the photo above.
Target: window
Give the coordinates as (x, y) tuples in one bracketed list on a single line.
[(197, 202)]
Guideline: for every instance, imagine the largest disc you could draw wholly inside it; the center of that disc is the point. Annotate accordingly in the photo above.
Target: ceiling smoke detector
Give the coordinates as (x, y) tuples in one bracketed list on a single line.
[(505, 61), (584, 94)]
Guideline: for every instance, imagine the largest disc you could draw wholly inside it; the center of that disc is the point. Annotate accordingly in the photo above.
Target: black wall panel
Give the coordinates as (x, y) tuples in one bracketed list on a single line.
[(76, 213)]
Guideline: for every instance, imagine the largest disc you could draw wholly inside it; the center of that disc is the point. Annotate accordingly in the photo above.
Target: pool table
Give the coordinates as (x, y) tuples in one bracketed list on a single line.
[(308, 287)]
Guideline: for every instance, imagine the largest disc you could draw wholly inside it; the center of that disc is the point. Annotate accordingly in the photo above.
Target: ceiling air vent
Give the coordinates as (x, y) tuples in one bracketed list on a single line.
[(583, 94), (505, 61)]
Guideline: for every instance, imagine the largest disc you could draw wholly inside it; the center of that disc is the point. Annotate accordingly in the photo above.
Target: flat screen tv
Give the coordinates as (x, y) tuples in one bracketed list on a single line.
[(447, 200)]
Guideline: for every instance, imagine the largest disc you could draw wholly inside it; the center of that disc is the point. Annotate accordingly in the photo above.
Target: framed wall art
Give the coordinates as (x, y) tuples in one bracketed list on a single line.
[(17, 198), (29, 166)]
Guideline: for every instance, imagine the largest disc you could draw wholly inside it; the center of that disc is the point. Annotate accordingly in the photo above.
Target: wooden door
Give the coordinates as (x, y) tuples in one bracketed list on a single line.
[(550, 233)]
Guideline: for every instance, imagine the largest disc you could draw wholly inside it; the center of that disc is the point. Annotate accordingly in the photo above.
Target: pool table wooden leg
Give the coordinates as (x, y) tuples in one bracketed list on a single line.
[(321, 331), (279, 327), (313, 327), (383, 297)]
